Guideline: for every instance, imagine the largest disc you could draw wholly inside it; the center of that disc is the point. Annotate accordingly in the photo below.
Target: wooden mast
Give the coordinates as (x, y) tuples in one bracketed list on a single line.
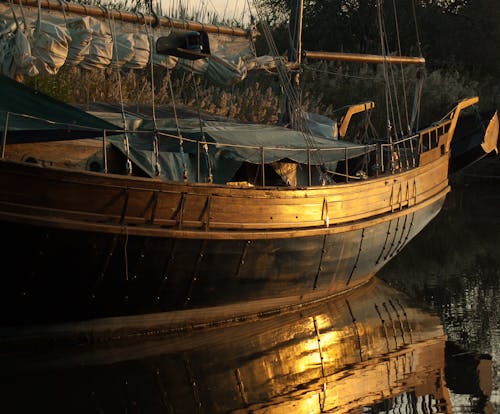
[(295, 56), (296, 17), (101, 12)]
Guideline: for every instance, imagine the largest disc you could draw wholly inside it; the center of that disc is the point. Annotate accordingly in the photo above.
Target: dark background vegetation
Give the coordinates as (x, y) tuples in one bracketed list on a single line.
[(458, 38)]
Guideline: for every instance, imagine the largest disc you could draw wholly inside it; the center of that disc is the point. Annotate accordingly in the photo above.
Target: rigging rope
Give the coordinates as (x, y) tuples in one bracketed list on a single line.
[(204, 140), (179, 134), (292, 94), (18, 25), (385, 71), (126, 146), (395, 124), (416, 27), (405, 98), (156, 144), (419, 85)]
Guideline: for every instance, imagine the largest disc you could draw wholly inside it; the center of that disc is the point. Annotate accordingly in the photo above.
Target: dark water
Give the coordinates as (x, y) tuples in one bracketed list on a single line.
[(425, 339), (453, 267)]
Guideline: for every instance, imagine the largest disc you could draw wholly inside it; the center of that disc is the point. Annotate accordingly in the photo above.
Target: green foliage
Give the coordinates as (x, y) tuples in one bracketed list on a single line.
[(442, 89)]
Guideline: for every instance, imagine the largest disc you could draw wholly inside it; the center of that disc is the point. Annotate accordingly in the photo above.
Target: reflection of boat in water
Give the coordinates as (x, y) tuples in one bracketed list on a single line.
[(370, 348), (476, 136)]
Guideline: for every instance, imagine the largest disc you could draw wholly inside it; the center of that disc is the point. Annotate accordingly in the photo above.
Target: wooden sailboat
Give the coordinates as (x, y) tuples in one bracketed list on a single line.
[(88, 244)]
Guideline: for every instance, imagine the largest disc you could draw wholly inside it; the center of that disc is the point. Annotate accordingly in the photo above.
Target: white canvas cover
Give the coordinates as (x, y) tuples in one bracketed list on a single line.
[(100, 53), (56, 39), (80, 31), (140, 52), (15, 54), (49, 45)]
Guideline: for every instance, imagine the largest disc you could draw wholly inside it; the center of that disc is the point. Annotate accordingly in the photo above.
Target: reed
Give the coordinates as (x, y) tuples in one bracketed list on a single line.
[(325, 87)]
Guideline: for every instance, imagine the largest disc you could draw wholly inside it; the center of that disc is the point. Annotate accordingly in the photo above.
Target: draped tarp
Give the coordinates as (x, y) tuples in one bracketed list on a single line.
[(35, 117), (229, 145), (32, 44), (255, 142)]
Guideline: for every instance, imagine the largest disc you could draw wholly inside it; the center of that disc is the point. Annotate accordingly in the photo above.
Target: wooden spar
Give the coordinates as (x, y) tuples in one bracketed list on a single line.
[(129, 17), (362, 58)]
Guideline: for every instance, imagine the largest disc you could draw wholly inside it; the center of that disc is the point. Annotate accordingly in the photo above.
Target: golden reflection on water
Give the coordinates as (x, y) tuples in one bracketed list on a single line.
[(370, 348), (347, 355)]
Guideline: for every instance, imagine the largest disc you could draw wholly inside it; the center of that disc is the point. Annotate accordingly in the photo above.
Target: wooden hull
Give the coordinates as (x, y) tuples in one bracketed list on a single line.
[(87, 245)]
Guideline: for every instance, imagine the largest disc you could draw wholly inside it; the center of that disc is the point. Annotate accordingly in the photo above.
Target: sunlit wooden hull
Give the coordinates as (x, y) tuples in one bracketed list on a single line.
[(84, 245)]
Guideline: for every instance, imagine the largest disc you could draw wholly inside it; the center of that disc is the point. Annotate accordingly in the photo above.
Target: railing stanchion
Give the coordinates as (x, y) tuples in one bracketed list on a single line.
[(367, 160), (309, 173), (104, 152), (382, 160), (197, 161), (262, 166), (4, 137), (346, 165), (412, 150), (391, 163)]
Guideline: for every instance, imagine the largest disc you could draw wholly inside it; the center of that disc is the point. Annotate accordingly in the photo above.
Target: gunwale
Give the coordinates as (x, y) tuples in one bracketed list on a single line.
[(327, 205)]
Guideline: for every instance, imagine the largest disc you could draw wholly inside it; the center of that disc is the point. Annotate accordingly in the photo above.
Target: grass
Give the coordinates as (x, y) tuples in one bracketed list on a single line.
[(325, 86)]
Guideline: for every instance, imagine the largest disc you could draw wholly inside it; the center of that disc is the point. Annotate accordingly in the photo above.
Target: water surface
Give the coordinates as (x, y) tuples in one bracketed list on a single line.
[(453, 267)]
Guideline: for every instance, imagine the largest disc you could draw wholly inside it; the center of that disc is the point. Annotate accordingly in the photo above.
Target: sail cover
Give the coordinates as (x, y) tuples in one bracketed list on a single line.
[(33, 43)]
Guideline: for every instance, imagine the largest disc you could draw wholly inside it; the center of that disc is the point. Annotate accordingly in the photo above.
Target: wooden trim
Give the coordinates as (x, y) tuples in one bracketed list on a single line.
[(116, 181), (68, 196), (148, 231)]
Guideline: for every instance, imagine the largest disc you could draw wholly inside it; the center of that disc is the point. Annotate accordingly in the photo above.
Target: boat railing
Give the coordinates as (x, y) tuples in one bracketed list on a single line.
[(314, 155), (402, 154), (399, 155), (405, 152), (429, 137), (381, 158), (368, 150)]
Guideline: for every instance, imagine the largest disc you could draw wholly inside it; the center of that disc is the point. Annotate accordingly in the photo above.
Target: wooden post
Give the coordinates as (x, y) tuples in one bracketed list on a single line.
[(4, 137)]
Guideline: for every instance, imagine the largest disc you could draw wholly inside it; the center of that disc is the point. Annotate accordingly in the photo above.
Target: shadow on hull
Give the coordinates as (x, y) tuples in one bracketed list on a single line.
[(476, 137)]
